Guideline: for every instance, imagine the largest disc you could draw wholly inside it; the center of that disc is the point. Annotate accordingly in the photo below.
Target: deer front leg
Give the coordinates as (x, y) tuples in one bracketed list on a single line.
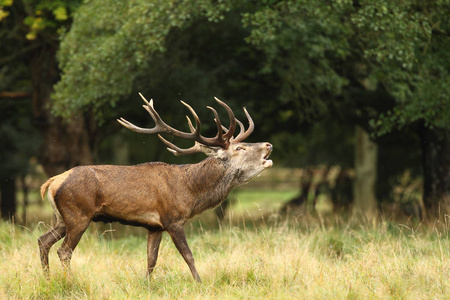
[(179, 239), (154, 240)]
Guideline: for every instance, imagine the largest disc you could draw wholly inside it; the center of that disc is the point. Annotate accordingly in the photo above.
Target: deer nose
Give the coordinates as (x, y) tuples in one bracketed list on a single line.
[(269, 147)]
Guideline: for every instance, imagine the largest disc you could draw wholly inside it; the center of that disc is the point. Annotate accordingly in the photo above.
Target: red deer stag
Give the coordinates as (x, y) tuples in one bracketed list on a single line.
[(155, 195)]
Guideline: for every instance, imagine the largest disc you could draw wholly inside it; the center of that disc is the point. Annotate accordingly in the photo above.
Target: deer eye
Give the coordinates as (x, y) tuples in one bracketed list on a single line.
[(239, 149)]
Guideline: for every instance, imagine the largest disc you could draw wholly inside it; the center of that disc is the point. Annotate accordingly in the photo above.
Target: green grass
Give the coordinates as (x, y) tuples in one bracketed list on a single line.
[(254, 253), (266, 200)]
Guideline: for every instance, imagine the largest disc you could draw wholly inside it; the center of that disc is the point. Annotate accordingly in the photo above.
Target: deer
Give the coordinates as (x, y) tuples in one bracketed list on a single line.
[(154, 195)]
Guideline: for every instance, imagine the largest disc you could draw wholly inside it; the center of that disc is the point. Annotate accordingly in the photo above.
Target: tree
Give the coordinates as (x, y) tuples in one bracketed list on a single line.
[(365, 166), (30, 36)]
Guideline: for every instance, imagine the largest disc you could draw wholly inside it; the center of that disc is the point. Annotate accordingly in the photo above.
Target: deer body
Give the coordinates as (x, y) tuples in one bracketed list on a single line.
[(157, 196), (150, 195)]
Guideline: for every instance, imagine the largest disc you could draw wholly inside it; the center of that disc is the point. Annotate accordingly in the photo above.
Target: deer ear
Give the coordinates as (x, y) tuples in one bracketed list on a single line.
[(215, 152)]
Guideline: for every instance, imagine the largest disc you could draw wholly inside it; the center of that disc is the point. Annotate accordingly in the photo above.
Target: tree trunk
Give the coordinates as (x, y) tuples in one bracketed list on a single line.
[(66, 143), (436, 172), (8, 197), (366, 151)]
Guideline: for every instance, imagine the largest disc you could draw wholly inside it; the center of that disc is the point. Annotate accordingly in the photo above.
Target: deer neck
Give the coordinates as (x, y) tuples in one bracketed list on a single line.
[(210, 182)]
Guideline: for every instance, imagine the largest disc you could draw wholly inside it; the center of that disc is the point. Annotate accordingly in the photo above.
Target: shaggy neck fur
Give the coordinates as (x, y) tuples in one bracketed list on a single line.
[(210, 182)]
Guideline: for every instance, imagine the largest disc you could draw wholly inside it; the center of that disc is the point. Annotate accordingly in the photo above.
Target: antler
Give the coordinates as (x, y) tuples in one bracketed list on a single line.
[(222, 139), (245, 134)]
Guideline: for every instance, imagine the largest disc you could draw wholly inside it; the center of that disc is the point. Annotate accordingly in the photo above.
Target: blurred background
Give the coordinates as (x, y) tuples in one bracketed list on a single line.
[(353, 95)]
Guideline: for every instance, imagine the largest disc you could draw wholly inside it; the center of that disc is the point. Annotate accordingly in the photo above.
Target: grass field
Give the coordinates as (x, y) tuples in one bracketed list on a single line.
[(253, 254)]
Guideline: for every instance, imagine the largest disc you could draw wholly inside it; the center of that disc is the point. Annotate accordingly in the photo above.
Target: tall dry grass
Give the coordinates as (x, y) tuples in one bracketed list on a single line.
[(250, 256)]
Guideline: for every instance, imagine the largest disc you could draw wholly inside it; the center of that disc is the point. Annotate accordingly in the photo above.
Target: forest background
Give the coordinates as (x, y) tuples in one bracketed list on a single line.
[(363, 85)]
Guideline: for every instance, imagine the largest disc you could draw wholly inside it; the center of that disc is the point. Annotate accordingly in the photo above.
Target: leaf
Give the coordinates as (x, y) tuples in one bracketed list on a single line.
[(60, 13)]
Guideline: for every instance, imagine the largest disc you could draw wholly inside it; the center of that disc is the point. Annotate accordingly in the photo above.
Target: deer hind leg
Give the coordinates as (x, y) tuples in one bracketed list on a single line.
[(73, 236), (47, 240), (154, 240), (179, 239)]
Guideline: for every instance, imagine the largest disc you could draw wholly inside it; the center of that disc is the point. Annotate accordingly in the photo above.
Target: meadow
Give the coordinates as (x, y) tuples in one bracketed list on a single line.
[(254, 253)]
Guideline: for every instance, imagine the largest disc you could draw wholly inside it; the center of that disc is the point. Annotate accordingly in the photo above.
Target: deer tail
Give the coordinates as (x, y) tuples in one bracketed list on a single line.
[(44, 188)]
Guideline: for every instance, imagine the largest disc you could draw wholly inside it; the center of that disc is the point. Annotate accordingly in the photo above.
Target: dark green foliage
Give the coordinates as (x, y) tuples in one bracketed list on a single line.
[(321, 49), (118, 47)]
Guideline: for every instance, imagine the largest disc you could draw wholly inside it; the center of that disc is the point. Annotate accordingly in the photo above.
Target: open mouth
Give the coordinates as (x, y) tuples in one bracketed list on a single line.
[(266, 159)]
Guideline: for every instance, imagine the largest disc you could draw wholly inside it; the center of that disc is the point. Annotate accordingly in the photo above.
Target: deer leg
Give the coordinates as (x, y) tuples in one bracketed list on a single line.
[(179, 239), (71, 240), (48, 239), (154, 240)]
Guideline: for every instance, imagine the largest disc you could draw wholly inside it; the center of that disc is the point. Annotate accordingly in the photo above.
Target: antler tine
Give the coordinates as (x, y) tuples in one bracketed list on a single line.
[(191, 127), (179, 151), (219, 134), (145, 100), (159, 127), (232, 128), (196, 118), (133, 127), (243, 135), (151, 110), (241, 127)]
